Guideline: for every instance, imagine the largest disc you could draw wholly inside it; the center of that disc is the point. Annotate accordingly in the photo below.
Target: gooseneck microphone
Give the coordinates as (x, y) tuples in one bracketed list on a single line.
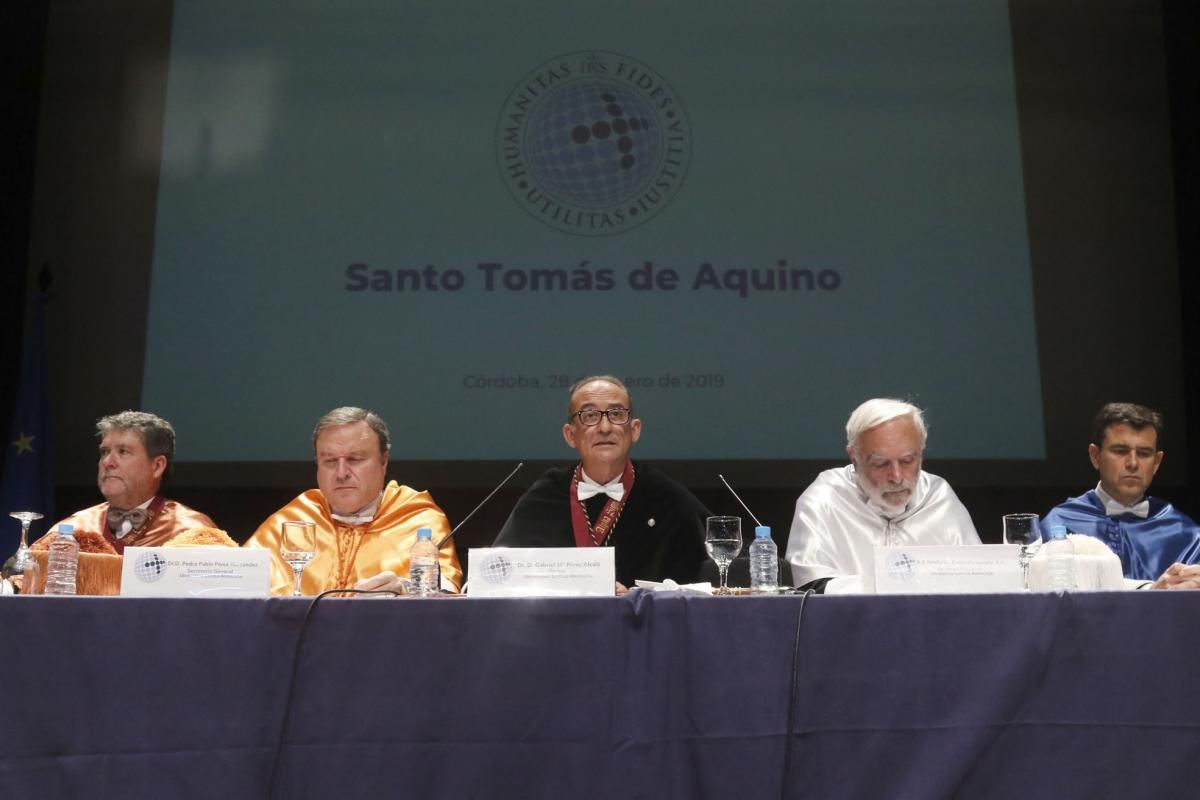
[(735, 497), (482, 502)]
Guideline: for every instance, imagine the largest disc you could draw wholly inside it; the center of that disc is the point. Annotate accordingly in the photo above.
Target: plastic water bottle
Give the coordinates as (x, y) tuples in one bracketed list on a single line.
[(63, 562), (423, 571), (764, 561), (1060, 560)]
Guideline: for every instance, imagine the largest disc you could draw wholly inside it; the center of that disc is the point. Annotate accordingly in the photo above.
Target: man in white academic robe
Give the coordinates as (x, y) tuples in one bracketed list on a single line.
[(882, 497)]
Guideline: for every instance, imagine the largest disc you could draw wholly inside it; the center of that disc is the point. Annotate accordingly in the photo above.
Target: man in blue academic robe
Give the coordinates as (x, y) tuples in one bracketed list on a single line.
[(1155, 542)]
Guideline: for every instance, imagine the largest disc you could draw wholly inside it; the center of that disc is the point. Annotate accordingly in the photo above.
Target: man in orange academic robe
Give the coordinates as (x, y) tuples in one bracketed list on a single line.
[(364, 529), (136, 453)]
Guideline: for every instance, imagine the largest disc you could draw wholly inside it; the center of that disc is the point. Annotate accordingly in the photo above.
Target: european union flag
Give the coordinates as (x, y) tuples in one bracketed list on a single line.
[(28, 483)]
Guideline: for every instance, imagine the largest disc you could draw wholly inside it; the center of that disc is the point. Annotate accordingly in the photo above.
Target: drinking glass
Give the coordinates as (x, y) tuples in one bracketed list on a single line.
[(1023, 529), (723, 540), (298, 546), (22, 561)]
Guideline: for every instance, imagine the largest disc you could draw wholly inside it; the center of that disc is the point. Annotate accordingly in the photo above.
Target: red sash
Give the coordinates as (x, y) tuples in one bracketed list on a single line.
[(586, 534)]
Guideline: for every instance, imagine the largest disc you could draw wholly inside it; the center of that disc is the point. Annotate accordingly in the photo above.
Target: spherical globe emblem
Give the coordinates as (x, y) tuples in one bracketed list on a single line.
[(497, 569), (593, 143), (901, 566), (150, 567)]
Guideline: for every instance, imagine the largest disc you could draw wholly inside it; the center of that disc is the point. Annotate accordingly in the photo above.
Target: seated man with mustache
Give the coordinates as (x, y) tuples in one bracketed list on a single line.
[(655, 525), (882, 497), (137, 450)]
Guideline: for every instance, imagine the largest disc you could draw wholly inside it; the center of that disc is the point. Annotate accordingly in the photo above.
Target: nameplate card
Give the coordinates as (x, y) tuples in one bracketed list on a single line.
[(195, 572), (541, 572), (959, 569)]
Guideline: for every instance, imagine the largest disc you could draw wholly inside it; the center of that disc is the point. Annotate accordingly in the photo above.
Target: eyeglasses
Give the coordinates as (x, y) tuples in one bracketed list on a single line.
[(591, 416)]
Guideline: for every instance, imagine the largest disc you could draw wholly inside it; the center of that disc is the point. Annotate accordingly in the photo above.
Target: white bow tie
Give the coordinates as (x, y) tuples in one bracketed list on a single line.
[(589, 488), (1114, 509)]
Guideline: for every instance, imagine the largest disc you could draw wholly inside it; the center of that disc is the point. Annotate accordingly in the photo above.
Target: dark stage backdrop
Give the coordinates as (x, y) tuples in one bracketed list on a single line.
[(759, 215)]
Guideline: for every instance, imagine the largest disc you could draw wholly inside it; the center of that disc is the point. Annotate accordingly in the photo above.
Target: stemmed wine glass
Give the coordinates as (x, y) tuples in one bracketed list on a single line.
[(723, 540), (1023, 529), (298, 546), (22, 561)]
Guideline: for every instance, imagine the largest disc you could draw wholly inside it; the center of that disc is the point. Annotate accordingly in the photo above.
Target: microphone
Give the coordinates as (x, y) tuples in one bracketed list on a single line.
[(482, 502), (735, 497)]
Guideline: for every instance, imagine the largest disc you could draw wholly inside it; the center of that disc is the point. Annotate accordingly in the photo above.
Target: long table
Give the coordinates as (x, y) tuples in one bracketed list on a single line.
[(646, 696)]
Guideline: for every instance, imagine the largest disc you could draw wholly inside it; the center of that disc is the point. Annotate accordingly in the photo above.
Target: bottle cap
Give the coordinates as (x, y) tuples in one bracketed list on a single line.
[(1058, 531), (762, 532), (424, 534), (66, 530)]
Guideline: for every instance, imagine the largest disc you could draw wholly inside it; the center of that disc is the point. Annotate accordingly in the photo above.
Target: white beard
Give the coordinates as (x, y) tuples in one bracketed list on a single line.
[(877, 499)]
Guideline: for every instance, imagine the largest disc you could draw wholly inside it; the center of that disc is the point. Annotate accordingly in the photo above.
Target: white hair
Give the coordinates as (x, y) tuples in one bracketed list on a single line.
[(879, 410)]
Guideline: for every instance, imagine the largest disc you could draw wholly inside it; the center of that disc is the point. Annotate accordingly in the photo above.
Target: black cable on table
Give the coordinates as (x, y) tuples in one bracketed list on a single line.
[(792, 692), (291, 684)]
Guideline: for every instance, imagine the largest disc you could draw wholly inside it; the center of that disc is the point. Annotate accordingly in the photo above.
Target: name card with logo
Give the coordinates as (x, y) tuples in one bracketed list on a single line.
[(961, 569), (195, 572), (541, 572)]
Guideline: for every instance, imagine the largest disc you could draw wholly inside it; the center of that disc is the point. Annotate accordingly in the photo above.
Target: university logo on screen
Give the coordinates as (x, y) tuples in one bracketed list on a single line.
[(593, 143)]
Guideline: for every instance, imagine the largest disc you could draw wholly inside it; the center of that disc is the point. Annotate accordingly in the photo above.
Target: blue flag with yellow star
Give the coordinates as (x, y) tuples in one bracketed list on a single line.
[(28, 483)]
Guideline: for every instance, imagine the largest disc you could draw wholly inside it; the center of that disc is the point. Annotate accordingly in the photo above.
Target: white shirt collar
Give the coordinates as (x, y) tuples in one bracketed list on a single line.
[(360, 517)]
